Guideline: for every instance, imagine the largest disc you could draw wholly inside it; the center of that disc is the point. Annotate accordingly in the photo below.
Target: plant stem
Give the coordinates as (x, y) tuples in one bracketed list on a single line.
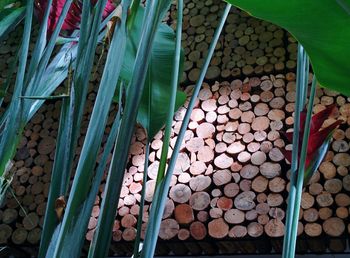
[(161, 191), (299, 104), (301, 170), (142, 203), (103, 233), (174, 84)]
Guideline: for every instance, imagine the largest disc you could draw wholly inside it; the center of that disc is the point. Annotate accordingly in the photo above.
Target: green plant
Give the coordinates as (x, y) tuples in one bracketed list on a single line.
[(11, 14)]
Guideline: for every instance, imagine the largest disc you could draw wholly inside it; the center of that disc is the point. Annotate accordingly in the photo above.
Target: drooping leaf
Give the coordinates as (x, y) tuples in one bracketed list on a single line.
[(161, 191), (73, 224), (316, 122), (322, 27), (103, 233), (156, 92), (73, 18), (317, 158), (9, 18), (316, 139)]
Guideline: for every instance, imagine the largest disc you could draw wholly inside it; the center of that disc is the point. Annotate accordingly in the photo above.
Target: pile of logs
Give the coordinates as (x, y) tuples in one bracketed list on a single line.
[(247, 46), (231, 178)]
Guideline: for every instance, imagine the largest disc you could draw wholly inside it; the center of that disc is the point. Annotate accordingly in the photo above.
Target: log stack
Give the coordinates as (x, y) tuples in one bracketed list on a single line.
[(247, 46), (231, 179)]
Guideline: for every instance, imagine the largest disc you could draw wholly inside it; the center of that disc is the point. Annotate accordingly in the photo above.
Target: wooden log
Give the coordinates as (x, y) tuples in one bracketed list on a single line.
[(9, 216), (324, 199), (307, 200), (200, 183), (274, 228), (333, 185), (245, 201), (310, 215), (333, 227), (277, 213), (342, 200), (184, 214), (342, 212), (218, 228), (238, 231), (231, 190), (222, 177), (6, 232), (313, 229), (199, 200), (198, 230), (19, 236), (255, 229), (180, 193), (30, 221), (224, 203), (169, 228), (325, 213), (234, 216), (274, 199), (259, 184), (270, 170)]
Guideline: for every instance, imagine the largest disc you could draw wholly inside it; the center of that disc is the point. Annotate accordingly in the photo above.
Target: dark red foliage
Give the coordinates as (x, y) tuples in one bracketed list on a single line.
[(72, 20), (317, 136)]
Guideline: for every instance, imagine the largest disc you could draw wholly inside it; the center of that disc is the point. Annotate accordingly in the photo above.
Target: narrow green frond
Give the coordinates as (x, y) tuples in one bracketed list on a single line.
[(162, 189)]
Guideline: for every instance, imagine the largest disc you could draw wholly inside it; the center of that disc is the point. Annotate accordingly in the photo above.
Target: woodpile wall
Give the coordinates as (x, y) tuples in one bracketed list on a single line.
[(231, 179)]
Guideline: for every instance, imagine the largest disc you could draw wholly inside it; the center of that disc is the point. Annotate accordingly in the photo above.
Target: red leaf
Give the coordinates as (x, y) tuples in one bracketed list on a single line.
[(318, 119), (316, 139), (72, 20)]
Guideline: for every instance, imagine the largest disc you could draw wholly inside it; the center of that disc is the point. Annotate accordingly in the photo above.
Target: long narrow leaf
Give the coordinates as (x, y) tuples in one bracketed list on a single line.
[(299, 104), (57, 178), (9, 19), (319, 155), (161, 192), (7, 148), (301, 169), (84, 172), (142, 203), (103, 233), (174, 84)]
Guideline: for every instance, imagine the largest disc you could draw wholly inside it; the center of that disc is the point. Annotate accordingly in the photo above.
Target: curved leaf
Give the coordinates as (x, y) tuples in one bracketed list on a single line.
[(156, 92), (9, 18), (322, 27)]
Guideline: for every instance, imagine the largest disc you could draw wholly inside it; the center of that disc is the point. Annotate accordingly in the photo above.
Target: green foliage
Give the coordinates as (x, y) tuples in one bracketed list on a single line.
[(9, 18), (318, 158), (161, 191), (27, 83), (157, 85), (322, 27)]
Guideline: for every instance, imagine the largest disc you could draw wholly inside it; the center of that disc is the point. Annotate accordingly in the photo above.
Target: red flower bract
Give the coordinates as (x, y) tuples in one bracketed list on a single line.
[(317, 136), (72, 20)]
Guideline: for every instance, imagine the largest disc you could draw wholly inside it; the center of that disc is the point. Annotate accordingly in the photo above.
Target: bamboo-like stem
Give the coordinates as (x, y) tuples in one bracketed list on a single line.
[(161, 192), (299, 104), (142, 203), (174, 84), (301, 170), (103, 233)]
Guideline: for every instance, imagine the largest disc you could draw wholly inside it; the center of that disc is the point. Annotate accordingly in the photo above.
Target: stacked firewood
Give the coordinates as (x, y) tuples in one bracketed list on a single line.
[(231, 179), (247, 46)]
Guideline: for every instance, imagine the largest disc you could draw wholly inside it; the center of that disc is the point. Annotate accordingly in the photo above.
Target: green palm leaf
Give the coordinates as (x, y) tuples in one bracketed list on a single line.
[(157, 86), (322, 27)]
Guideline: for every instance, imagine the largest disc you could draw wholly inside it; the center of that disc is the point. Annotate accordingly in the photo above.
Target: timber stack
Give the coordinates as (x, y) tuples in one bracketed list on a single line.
[(231, 179)]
